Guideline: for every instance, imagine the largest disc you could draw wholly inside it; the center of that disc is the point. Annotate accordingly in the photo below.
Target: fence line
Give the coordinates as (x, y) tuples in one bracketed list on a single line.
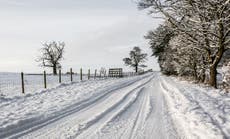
[(10, 83)]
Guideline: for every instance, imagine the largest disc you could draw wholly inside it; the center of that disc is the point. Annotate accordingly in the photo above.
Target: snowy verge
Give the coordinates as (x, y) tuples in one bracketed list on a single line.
[(196, 111)]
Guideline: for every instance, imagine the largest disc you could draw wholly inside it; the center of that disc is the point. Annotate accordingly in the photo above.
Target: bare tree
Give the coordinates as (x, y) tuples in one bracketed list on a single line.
[(52, 54), (136, 58)]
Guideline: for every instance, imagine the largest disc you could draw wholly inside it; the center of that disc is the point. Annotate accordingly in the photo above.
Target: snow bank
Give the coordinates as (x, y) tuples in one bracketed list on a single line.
[(197, 112)]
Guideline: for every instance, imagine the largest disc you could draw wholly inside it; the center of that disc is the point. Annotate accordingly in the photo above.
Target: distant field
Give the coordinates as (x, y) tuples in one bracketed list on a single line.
[(10, 83)]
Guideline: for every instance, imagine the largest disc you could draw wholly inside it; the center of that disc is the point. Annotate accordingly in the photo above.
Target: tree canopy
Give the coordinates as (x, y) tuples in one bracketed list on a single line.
[(202, 26), (51, 55), (136, 59)]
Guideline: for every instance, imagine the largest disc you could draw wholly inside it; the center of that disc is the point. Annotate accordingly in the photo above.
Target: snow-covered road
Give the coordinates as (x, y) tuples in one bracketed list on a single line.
[(131, 108)]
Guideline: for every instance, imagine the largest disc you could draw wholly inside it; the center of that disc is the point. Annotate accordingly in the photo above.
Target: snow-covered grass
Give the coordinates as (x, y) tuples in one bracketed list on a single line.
[(199, 112), (10, 83)]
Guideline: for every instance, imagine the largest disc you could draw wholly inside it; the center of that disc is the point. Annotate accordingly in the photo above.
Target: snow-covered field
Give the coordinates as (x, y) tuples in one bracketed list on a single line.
[(10, 83), (147, 106)]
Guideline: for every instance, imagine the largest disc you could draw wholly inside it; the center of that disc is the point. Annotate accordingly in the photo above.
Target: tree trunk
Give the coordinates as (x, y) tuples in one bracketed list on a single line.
[(55, 70), (195, 72), (217, 58), (213, 73), (203, 71), (136, 68), (203, 76)]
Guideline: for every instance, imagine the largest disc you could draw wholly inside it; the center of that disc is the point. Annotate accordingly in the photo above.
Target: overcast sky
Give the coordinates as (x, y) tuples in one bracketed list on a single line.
[(97, 33)]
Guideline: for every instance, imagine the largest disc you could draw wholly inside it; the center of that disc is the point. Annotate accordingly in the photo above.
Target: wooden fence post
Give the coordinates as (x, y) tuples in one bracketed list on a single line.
[(95, 74), (23, 85), (81, 74), (45, 85), (88, 74), (71, 74), (59, 76)]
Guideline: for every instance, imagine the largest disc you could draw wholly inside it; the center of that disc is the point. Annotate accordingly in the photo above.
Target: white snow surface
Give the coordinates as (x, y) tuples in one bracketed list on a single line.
[(197, 111), (141, 107)]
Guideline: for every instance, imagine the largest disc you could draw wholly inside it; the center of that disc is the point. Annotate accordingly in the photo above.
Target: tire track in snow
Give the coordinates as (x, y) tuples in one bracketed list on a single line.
[(141, 117), (146, 118), (79, 122), (130, 122), (114, 111)]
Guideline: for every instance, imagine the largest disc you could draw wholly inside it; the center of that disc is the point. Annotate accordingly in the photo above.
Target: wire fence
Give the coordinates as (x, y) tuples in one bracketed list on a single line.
[(12, 84)]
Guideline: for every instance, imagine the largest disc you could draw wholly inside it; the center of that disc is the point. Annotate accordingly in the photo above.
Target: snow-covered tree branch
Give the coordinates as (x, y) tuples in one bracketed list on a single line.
[(204, 24)]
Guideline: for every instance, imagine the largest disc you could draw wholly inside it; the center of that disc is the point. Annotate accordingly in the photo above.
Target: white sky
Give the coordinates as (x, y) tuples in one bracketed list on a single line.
[(97, 33)]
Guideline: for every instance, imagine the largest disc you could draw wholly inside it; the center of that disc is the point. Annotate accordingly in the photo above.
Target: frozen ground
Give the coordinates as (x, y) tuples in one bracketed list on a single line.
[(141, 107)]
